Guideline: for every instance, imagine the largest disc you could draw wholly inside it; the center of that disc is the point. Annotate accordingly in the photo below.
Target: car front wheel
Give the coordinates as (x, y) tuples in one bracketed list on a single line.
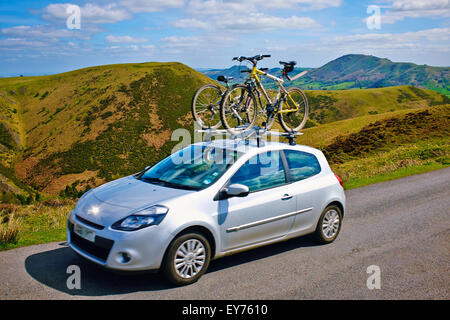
[(187, 259)]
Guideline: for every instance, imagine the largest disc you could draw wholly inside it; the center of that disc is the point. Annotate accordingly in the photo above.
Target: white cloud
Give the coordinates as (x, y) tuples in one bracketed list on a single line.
[(435, 39), (249, 15), (138, 6), (260, 21), (192, 24), (401, 9), (42, 32), (302, 4), (19, 44), (421, 5), (250, 22), (208, 7), (90, 13), (124, 39), (204, 41)]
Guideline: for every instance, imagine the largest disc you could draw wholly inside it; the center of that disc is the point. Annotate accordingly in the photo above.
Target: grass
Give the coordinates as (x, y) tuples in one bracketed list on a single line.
[(328, 106), (395, 147), (401, 161), (32, 224), (9, 230), (392, 175), (97, 119)]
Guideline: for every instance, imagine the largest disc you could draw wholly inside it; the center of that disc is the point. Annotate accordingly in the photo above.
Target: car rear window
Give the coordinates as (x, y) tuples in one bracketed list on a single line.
[(302, 165)]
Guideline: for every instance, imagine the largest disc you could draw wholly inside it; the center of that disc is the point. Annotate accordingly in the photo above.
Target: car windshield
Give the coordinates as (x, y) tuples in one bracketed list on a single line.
[(194, 168)]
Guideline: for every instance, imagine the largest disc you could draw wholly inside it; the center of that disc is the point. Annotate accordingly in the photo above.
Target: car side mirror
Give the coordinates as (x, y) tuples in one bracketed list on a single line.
[(236, 190)]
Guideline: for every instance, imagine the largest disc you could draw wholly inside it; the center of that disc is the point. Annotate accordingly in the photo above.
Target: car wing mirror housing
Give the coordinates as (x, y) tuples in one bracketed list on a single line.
[(233, 190)]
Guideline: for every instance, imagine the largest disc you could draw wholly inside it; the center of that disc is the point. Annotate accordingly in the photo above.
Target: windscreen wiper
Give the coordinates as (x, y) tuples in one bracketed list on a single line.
[(169, 184)]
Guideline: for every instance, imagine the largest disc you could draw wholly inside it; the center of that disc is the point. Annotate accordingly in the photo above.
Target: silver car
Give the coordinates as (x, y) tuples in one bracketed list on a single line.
[(206, 201)]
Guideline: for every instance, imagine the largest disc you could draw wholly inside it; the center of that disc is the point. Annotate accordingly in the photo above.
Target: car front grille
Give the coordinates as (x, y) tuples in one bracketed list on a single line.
[(89, 223), (99, 249)]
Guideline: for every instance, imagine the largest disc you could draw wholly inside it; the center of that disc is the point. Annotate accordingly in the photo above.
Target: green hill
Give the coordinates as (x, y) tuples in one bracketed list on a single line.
[(65, 133), (358, 71), (333, 105), (363, 71), (84, 127), (381, 147)]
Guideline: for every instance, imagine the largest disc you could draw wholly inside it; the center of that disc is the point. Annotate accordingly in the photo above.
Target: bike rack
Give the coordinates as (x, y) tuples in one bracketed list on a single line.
[(256, 132)]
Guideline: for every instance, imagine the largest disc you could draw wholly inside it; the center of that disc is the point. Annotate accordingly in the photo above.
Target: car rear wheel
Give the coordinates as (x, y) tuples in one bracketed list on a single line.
[(187, 259), (329, 225)]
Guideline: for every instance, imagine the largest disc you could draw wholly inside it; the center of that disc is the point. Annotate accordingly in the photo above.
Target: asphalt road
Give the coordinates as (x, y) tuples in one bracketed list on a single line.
[(402, 226)]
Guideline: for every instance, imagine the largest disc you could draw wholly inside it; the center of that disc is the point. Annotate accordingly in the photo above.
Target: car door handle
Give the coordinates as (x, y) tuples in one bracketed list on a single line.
[(286, 197)]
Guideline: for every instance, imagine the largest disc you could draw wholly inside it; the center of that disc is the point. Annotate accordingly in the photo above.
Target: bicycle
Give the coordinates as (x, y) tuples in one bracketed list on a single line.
[(205, 105), (239, 107)]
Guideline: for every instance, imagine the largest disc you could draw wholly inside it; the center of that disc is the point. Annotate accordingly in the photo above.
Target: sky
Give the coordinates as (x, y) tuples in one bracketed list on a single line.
[(47, 37)]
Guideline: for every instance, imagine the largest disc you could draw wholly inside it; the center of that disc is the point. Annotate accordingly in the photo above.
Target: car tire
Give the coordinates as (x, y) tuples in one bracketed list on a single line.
[(329, 225), (197, 254)]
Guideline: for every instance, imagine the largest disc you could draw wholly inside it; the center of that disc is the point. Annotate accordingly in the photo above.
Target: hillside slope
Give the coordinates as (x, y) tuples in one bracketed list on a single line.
[(333, 105), (360, 71), (95, 124), (66, 133), (363, 71), (398, 145)]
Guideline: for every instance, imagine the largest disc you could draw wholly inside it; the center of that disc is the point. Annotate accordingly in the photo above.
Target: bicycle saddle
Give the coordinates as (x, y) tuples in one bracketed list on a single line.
[(288, 66), (290, 63), (224, 78)]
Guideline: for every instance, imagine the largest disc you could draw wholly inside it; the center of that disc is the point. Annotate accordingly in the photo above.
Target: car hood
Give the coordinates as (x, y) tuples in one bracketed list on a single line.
[(115, 200)]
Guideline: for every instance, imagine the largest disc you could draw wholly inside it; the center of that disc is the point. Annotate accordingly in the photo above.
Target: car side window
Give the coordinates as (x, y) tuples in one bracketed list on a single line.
[(302, 165), (262, 171)]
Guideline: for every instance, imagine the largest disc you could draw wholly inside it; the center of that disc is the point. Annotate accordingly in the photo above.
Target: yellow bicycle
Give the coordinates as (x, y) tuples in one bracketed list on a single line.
[(241, 107)]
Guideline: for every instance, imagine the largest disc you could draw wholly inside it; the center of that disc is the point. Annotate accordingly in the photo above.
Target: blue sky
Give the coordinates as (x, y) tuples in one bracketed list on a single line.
[(35, 38)]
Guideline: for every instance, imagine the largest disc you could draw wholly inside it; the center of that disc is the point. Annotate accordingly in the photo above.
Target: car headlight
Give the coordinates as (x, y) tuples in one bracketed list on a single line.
[(146, 217)]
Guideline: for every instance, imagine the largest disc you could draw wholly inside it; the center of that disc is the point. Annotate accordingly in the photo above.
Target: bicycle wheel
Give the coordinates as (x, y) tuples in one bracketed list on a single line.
[(238, 109), (205, 106), (295, 120)]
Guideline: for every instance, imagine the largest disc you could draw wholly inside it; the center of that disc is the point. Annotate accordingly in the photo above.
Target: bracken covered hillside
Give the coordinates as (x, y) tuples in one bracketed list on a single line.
[(65, 133), (84, 127)]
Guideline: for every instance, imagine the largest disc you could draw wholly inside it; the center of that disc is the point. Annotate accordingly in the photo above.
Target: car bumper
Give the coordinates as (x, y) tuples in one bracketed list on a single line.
[(144, 248)]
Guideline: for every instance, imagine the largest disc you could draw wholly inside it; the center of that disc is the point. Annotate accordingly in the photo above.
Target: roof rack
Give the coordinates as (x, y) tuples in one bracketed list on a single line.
[(255, 132)]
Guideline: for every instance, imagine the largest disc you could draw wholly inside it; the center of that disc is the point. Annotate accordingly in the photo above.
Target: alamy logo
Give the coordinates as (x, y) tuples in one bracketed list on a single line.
[(374, 21), (374, 280), (74, 280), (74, 19)]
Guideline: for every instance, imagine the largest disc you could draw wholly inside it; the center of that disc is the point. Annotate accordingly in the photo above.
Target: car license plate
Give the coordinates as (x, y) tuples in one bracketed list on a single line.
[(85, 233)]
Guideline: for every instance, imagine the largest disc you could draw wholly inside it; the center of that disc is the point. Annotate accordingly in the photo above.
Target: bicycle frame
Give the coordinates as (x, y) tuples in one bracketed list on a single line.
[(279, 81)]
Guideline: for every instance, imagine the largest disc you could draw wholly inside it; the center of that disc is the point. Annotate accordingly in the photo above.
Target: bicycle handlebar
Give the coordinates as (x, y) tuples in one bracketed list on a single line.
[(252, 59)]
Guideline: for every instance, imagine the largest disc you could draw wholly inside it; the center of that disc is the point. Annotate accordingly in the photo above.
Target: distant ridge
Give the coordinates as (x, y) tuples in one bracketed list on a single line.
[(364, 71)]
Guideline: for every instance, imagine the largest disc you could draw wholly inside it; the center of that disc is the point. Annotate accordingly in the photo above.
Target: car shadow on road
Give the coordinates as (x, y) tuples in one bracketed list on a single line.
[(261, 253), (50, 269)]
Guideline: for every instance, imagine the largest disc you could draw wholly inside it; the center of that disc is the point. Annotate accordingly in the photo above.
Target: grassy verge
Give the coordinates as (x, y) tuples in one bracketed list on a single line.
[(33, 224), (400, 146), (399, 173)]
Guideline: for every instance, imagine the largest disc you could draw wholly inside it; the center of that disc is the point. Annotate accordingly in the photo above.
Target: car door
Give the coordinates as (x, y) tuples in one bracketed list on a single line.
[(258, 216), (306, 186)]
